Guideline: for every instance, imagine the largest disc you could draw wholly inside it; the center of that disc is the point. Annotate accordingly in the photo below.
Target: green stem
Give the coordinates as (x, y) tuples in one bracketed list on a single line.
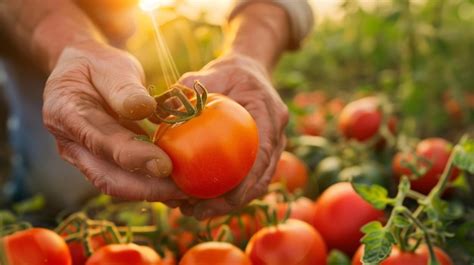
[(433, 259)]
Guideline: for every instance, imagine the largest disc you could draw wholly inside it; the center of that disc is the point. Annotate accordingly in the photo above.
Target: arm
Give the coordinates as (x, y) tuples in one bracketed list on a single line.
[(256, 36), (42, 29), (91, 89)]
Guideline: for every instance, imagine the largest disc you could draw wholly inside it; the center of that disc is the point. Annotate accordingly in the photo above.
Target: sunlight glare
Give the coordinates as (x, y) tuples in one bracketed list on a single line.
[(150, 5)]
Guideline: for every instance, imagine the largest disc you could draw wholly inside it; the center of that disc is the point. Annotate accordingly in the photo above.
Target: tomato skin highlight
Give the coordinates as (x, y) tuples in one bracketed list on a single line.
[(215, 253), (362, 118), (339, 215), (434, 150), (291, 243), (36, 246), (396, 257), (124, 254), (213, 152), (291, 171)]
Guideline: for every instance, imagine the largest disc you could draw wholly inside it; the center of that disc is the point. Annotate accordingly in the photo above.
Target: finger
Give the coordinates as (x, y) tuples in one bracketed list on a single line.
[(121, 85), (89, 125), (114, 181)]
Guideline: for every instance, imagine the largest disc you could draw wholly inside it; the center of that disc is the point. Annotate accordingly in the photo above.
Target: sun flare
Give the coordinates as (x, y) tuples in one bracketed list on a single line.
[(150, 5)]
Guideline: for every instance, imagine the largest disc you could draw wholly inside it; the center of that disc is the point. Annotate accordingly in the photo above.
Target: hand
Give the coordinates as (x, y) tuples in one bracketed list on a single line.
[(92, 88), (247, 82)]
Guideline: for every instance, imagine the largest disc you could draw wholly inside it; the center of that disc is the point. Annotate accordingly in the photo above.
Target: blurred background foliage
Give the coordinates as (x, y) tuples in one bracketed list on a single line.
[(418, 53)]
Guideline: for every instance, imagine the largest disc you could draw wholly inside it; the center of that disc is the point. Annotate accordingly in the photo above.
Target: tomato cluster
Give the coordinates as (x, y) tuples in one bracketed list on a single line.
[(312, 208)]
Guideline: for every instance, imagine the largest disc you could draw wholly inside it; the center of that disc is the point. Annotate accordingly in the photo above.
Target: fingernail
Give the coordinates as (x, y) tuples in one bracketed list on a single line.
[(154, 166), (138, 106)]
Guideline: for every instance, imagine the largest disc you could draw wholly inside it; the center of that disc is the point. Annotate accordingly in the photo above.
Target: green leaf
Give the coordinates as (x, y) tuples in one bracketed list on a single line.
[(404, 185), (32, 204), (373, 194), (400, 221), (378, 243), (464, 155), (337, 257)]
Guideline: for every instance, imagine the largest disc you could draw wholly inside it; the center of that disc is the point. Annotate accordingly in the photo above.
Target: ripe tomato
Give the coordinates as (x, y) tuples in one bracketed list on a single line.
[(241, 229), (215, 253), (124, 254), (434, 150), (35, 246), (293, 242), (291, 171), (311, 124), (213, 152), (77, 250), (419, 257), (301, 209), (339, 215), (308, 99), (361, 119)]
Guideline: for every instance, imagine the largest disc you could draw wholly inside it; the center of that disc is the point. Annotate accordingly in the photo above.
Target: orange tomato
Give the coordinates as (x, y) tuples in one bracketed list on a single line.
[(291, 171), (124, 254), (293, 242), (419, 257), (35, 246), (213, 152), (215, 253)]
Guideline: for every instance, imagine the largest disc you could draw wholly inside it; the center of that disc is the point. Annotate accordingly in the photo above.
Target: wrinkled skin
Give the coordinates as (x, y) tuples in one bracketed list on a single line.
[(85, 101), (247, 82)]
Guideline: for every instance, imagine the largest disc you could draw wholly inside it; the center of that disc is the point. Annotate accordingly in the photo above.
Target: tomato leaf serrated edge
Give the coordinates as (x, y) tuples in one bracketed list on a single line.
[(464, 155), (374, 194), (377, 241)]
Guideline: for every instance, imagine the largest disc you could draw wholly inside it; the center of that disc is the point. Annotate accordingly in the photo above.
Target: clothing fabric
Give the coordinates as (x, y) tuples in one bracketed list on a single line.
[(299, 13)]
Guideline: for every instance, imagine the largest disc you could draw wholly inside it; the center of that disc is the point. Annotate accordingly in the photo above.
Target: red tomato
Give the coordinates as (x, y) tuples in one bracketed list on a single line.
[(124, 254), (434, 150), (419, 257), (308, 99), (293, 242), (312, 124), (77, 250), (339, 215), (301, 209), (361, 119), (335, 106), (35, 246), (291, 171), (213, 152), (215, 253), (250, 225)]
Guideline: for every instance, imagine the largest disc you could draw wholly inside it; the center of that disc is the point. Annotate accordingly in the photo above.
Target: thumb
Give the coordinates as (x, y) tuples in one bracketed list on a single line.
[(120, 83)]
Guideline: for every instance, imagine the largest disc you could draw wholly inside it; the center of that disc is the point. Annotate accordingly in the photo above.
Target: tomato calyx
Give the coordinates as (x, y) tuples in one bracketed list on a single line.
[(174, 105)]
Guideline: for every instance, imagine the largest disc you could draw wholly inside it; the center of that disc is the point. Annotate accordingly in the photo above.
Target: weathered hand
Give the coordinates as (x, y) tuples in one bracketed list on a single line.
[(91, 89), (247, 82)]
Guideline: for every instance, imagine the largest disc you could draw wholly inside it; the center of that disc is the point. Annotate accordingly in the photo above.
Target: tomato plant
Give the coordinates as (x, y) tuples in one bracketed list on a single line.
[(76, 249), (35, 246), (124, 254), (361, 119), (291, 172), (242, 227), (215, 253), (426, 165), (214, 149), (339, 215), (300, 209), (292, 242), (419, 257)]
